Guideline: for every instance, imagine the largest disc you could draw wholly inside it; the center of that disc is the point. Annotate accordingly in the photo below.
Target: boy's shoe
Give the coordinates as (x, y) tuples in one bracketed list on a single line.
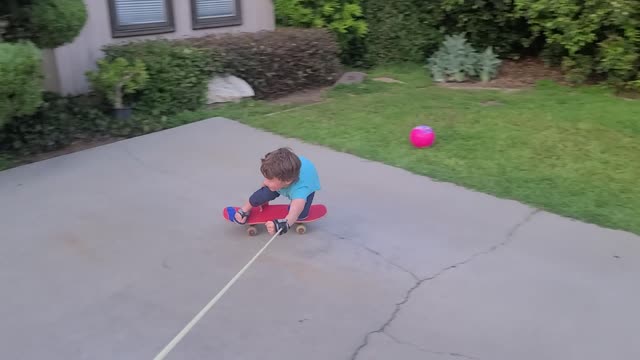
[(231, 212)]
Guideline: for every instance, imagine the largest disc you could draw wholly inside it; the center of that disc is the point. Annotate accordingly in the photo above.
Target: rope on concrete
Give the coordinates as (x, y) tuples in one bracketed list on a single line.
[(215, 299)]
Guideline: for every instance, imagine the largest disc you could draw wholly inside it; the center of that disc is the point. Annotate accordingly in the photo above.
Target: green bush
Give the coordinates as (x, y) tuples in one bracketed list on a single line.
[(398, 32), (6, 161), (114, 79), (456, 60), (618, 58), (343, 17), (487, 23), (58, 122), (588, 37), (56, 22), (20, 80), (411, 30), (278, 62), (488, 64), (178, 74)]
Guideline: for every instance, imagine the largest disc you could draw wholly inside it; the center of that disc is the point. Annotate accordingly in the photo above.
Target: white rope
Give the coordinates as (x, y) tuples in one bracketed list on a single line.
[(197, 318)]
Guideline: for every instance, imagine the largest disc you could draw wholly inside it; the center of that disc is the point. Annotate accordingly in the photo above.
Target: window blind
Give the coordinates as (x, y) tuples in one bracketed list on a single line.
[(136, 12), (215, 8)]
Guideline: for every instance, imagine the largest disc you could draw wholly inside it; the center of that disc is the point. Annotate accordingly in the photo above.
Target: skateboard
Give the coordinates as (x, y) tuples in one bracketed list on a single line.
[(267, 212)]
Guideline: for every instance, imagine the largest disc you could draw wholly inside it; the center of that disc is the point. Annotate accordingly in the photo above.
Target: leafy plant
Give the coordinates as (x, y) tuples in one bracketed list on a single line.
[(456, 60), (488, 64), (20, 79), (117, 77)]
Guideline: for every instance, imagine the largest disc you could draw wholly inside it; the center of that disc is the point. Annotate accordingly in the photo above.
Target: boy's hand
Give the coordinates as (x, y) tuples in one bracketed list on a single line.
[(275, 225)]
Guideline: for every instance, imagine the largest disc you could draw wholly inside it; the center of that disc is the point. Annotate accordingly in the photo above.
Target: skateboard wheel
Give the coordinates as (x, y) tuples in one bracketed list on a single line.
[(252, 231), (301, 229)]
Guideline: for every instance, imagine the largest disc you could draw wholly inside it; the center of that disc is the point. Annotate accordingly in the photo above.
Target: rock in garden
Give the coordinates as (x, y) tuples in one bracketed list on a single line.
[(228, 88), (352, 77)]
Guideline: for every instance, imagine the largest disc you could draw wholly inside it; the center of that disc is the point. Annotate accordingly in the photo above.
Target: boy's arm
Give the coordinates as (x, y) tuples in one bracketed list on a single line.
[(297, 205)]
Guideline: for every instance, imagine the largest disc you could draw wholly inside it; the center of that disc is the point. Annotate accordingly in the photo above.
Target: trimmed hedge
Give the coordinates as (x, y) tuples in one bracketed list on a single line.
[(278, 62), (178, 74), (56, 22)]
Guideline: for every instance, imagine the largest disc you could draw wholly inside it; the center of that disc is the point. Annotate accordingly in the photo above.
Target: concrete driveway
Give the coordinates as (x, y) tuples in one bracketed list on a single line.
[(108, 253)]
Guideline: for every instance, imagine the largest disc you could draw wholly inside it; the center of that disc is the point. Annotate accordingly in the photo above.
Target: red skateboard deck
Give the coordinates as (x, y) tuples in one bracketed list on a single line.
[(268, 212)]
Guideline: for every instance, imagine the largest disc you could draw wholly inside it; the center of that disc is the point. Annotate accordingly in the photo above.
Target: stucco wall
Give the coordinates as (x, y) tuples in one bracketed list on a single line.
[(72, 60)]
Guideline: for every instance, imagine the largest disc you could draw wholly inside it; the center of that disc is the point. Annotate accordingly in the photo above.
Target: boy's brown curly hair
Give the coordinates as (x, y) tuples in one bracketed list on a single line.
[(282, 164)]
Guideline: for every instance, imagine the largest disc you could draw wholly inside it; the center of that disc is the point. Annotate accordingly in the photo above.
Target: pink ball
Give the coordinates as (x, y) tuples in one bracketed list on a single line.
[(422, 136)]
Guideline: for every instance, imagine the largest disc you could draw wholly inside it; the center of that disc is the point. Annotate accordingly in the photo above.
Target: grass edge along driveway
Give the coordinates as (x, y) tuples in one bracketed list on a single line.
[(571, 151)]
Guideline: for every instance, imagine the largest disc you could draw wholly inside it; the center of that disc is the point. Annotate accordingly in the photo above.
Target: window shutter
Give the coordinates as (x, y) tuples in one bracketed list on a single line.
[(139, 12), (215, 8)]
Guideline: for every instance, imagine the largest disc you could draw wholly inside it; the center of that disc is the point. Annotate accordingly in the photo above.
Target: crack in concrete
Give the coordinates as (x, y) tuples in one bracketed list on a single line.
[(415, 277), (398, 306), (452, 354), (376, 253)]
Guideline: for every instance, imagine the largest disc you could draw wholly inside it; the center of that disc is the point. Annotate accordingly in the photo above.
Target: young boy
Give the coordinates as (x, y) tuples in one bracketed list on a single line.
[(287, 174)]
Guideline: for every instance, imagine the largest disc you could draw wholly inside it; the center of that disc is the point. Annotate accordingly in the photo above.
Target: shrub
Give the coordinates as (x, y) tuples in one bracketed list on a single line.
[(56, 22), (343, 17), (5, 161), (20, 80), (116, 78), (278, 62), (398, 32), (577, 68), (58, 121), (588, 37), (456, 60), (178, 74), (486, 23), (411, 30), (488, 64), (618, 59)]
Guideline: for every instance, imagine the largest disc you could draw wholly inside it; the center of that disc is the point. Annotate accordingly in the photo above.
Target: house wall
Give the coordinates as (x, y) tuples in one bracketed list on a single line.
[(65, 66)]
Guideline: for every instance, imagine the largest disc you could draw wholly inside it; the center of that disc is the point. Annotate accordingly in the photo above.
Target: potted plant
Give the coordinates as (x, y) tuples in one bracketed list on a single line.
[(117, 77)]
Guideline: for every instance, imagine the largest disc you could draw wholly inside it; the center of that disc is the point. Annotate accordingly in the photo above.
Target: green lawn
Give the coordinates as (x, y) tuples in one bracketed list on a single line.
[(575, 152)]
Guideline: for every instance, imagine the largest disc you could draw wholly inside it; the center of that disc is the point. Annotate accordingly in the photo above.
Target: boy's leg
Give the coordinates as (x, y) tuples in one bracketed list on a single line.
[(305, 212), (259, 197)]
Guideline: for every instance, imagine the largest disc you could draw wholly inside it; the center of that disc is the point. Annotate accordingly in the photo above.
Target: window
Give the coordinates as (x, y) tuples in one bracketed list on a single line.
[(215, 13), (140, 17)]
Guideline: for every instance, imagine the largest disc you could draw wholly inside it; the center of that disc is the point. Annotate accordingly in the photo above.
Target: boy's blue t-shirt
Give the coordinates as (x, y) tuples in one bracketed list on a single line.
[(307, 183)]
